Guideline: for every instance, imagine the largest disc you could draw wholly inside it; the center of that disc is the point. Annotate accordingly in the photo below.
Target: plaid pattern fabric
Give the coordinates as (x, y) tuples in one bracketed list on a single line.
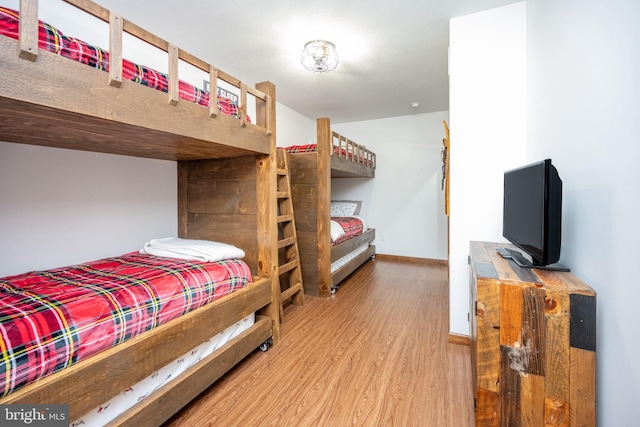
[(311, 148), (52, 319), (308, 148), (351, 226), (54, 41)]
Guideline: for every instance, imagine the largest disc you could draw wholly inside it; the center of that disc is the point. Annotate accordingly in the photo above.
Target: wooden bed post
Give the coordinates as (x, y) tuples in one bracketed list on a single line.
[(28, 30), (325, 143), (267, 204)]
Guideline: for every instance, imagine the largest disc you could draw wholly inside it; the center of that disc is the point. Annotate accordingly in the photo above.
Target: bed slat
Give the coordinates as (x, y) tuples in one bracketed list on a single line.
[(28, 29), (213, 91), (173, 74), (115, 50), (242, 109)]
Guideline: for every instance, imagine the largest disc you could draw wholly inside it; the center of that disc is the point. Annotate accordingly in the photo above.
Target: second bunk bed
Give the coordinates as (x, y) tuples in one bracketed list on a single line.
[(57, 91), (327, 256)]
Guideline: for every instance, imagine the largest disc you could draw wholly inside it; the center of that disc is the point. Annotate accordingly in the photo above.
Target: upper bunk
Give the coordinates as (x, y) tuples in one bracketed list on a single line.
[(48, 99), (348, 159), (334, 152)]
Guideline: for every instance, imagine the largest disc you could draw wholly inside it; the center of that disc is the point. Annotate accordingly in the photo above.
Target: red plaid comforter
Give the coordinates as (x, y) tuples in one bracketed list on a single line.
[(352, 227), (53, 40), (52, 319)]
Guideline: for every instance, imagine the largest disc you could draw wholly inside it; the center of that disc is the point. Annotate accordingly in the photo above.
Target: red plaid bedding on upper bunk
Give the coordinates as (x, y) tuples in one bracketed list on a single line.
[(352, 227), (54, 41), (311, 148), (52, 319)]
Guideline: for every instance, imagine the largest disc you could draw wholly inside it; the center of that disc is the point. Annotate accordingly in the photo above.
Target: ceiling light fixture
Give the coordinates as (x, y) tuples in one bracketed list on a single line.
[(319, 56)]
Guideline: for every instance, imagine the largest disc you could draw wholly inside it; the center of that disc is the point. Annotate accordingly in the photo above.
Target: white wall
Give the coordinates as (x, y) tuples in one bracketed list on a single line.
[(584, 110), (404, 202), (60, 207), (487, 67), (292, 128)]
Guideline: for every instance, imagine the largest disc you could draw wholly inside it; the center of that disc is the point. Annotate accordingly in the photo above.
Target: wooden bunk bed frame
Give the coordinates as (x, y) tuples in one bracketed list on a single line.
[(226, 192), (311, 175)]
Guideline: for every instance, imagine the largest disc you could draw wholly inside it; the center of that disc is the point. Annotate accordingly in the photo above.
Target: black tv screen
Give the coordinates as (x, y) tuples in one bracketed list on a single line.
[(532, 211)]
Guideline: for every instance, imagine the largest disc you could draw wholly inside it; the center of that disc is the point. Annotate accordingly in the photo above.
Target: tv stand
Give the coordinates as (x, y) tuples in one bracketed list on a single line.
[(522, 262), (533, 343)]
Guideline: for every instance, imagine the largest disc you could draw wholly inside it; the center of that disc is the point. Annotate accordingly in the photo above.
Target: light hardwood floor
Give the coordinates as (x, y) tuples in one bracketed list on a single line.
[(374, 354)]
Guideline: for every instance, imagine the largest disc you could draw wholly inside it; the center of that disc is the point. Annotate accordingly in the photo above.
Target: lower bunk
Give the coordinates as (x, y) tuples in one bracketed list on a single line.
[(328, 257), (350, 254), (89, 353)]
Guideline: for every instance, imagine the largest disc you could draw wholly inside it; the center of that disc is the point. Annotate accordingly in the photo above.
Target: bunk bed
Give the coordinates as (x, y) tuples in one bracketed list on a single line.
[(226, 193), (312, 168)]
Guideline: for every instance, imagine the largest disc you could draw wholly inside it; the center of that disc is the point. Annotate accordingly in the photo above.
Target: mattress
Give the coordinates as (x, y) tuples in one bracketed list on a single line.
[(52, 319), (53, 40), (340, 262)]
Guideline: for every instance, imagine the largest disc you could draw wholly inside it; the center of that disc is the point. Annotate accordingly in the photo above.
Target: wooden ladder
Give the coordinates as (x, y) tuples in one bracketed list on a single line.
[(289, 270)]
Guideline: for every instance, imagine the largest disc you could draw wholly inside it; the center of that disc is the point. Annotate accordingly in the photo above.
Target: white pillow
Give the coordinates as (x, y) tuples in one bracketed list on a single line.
[(345, 207), (197, 250), (336, 231)]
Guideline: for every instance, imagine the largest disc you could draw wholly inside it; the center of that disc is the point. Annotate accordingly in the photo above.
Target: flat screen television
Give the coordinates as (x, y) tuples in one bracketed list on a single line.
[(532, 215)]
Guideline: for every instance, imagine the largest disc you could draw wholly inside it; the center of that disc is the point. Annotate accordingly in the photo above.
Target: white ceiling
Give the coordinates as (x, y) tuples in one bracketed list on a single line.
[(392, 53)]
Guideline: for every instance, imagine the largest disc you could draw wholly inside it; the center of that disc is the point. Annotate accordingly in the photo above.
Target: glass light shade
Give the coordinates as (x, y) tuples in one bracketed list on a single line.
[(319, 56)]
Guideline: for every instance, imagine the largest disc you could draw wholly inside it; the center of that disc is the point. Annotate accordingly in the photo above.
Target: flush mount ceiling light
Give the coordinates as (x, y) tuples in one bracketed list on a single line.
[(319, 56)]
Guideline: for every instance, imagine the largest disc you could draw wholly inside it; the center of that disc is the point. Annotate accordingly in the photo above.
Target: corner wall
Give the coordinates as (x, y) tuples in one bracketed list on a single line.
[(487, 68)]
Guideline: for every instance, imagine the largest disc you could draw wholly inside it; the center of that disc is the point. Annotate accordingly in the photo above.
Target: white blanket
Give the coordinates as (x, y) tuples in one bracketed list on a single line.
[(336, 231), (197, 250)]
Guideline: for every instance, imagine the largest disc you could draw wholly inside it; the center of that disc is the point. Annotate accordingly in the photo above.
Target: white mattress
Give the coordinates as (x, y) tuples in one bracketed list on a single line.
[(348, 257), (109, 410)]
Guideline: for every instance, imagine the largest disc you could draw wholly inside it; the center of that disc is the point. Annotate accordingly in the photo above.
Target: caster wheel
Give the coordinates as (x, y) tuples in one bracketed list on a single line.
[(266, 345), (334, 289)]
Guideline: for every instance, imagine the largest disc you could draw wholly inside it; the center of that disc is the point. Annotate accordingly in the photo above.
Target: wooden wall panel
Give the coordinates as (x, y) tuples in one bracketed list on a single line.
[(217, 201)]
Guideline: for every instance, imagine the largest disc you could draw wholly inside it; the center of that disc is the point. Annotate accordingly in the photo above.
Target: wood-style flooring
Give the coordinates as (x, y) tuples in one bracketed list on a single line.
[(374, 354)]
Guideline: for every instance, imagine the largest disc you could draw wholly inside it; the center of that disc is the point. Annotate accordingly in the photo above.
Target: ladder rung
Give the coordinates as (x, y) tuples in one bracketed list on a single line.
[(283, 194), (288, 266), (282, 172), (286, 242), (293, 289), (284, 218)]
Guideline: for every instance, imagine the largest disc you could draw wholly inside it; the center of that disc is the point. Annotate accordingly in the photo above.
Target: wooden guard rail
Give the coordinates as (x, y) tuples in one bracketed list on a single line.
[(349, 150), (28, 42)]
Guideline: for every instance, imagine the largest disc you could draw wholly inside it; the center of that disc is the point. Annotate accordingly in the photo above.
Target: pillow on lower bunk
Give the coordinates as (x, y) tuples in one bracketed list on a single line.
[(345, 207), (197, 250), (336, 231)]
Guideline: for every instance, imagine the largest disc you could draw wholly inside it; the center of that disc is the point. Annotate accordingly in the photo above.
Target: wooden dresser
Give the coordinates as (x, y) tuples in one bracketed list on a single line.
[(533, 343)]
